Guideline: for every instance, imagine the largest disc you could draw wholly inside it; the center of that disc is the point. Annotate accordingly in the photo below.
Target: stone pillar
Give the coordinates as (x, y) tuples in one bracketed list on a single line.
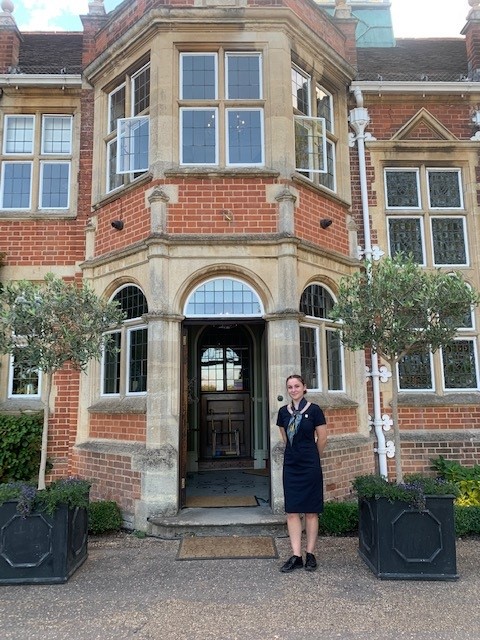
[(286, 211), (158, 201), (284, 360), (160, 468)]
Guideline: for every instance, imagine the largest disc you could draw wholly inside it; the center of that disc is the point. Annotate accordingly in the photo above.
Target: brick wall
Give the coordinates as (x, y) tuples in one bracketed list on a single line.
[(118, 426), (113, 478)]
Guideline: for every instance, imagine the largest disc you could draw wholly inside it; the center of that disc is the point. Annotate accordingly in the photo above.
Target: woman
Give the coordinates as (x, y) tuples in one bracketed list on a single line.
[(303, 429)]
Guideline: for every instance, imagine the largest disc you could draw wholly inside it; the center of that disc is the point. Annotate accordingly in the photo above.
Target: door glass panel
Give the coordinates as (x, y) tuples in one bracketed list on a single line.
[(224, 361)]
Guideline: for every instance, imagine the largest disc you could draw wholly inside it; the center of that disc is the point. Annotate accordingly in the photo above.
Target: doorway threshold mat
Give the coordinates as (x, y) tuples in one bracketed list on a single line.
[(227, 547), (221, 501)]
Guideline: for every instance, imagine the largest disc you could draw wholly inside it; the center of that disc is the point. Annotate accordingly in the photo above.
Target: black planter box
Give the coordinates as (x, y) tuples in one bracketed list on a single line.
[(399, 542), (41, 549)]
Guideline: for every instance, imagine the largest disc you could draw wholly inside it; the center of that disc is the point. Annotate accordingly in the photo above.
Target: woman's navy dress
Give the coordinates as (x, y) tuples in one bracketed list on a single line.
[(302, 471)]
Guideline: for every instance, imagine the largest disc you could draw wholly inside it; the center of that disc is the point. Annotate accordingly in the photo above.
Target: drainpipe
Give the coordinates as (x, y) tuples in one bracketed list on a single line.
[(359, 119)]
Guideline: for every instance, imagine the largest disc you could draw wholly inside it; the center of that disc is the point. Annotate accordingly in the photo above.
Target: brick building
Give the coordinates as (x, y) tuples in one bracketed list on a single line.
[(215, 166)]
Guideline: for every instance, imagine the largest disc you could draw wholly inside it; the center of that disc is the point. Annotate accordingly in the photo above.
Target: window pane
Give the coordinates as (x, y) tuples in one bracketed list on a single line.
[(133, 141), (449, 241), (310, 145), (19, 134), (334, 360), (300, 92), (25, 381), (415, 371), (324, 107), (405, 236), (444, 189), (198, 131), (111, 367), (459, 365), (243, 77), (316, 302), (245, 137), (116, 107), (132, 302), (308, 357), (198, 77), (137, 379), (55, 181), (402, 189), (16, 185), (57, 134), (141, 91), (328, 179), (114, 179)]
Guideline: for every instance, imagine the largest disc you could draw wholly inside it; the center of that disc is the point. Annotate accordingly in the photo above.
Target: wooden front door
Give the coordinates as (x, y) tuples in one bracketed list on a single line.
[(225, 374)]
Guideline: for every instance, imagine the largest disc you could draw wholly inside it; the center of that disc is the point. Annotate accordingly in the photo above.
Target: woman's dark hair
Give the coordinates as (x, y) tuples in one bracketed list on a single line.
[(297, 376)]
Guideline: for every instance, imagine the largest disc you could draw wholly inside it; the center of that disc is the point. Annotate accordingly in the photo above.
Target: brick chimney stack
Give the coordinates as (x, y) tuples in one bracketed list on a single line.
[(471, 31), (347, 24), (10, 38)]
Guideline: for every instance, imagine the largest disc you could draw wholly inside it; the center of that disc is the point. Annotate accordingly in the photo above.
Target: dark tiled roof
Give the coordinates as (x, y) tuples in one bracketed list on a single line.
[(433, 59), (53, 53)]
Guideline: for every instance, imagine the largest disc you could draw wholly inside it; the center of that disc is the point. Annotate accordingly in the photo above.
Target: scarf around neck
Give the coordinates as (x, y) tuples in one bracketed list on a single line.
[(295, 419)]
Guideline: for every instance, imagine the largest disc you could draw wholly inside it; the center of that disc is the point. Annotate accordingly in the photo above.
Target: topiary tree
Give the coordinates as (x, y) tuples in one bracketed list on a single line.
[(47, 325), (395, 307)]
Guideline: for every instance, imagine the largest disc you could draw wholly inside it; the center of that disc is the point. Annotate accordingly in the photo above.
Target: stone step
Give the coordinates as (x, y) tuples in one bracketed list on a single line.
[(225, 521)]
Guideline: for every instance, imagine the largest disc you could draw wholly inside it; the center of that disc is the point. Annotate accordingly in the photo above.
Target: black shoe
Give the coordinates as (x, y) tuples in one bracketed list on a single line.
[(310, 562), (295, 562)]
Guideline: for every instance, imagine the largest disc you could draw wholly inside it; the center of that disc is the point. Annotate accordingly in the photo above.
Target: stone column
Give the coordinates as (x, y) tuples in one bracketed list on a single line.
[(160, 465)]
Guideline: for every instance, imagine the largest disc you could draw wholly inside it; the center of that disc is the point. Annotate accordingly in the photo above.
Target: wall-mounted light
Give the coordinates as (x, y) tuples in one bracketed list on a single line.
[(325, 223), (117, 224)]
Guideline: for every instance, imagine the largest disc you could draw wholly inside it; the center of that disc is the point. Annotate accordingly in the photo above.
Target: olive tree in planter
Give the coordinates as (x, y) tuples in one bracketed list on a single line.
[(395, 308), (44, 326)]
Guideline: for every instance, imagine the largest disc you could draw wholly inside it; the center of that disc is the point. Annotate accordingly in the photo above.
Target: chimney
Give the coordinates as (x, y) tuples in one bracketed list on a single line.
[(347, 24), (471, 31), (10, 38)]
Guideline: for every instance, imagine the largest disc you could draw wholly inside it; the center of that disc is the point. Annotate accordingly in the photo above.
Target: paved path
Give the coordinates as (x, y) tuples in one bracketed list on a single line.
[(135, 589)]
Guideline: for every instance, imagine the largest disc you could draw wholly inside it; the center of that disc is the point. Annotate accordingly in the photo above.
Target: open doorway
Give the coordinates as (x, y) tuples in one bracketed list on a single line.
[(225, 435)]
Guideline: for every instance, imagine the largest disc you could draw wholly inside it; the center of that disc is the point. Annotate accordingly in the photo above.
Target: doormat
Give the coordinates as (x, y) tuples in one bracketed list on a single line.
[(221, 501), (227, 547)]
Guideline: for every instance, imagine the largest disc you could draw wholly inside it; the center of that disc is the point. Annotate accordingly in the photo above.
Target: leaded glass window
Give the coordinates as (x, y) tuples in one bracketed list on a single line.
[(415, 371), (321, 351), (223, 297), (402, 188), (315, 144), (460, 366), (127, 131), (216, 132), (316, 301), (448, 237), (308, 356), (124, 371), (444, 189), (406, 236), (24, 381)]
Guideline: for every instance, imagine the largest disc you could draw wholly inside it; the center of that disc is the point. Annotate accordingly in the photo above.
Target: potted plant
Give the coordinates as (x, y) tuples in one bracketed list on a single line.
[(43, 530), (395, 308)]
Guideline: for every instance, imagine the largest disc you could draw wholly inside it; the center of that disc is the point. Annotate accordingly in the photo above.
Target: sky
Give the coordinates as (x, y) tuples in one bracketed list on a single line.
[(411, 18)]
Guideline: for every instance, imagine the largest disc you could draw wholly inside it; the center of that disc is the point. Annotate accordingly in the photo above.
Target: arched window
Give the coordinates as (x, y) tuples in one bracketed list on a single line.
[(125, 371), (321, 351), (223, 297)]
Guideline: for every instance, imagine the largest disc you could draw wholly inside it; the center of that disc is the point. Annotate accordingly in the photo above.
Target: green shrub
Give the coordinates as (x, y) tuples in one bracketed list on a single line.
[(467, 479), (467, 521), (339, 519), (20, 442), (104, 516)]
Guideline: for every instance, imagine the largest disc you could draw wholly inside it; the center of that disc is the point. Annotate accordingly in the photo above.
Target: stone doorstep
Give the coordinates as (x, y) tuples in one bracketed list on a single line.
[(240, 521)]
